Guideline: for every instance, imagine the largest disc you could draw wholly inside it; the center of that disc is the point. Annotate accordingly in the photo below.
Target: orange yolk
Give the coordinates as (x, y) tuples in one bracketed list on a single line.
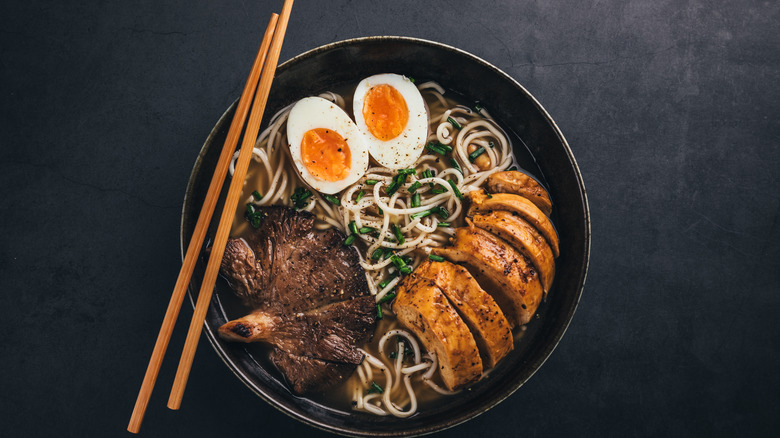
[(326, 154), (385, 112)]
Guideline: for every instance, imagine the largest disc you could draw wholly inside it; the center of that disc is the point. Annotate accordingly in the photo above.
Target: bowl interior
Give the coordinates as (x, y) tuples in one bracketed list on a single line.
[(540, 148)]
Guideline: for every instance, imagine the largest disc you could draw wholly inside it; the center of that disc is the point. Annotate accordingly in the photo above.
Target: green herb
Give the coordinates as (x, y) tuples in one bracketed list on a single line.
[(388, 297), (360, 196), (421, 214), (478, 107), (397, 261), (454, 123), (406, 172), (366, 230), (398, 235), (257, 195), (299, 197), (332, 199), (377, 254), (393, 354), (398, 181), (383, 284), (371, 182), (455, 165), (250, 208), (438, 190), (380, 210), (443, 224), (375, 389), (435, 258), (412, 80), (378, 311), (416, 200), (490, 143), (438, 148), (253, 216), (406, 270), (415, 185), (350, 239), (387, 253), (455, 189), (473, 156)]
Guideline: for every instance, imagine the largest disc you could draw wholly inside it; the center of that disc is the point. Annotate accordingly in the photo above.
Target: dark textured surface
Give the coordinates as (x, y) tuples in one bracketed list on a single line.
[(671, 109)]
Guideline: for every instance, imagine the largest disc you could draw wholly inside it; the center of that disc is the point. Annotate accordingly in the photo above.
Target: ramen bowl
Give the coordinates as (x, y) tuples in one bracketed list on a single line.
[(539, 147)]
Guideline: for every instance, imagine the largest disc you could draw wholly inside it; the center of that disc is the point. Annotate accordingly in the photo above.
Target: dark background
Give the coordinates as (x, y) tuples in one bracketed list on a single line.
[(670, 107)]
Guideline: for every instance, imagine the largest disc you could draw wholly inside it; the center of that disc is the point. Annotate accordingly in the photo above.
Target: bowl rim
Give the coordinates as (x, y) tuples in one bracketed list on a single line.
[(558, 333)]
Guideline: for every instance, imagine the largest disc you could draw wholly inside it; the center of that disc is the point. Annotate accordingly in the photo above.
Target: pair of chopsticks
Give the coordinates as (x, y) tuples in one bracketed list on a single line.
[(266, 60)]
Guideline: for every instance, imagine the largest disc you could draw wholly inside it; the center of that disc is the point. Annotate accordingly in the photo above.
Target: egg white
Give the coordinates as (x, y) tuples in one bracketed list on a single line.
[(404, 150), (315, 112)]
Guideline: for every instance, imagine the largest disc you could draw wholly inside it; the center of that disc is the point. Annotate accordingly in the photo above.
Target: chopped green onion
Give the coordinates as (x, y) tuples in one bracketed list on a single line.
[(360, 196), (366, 230), (478, 107), (411, 79), (371, 182), (443, 224), (416, 200), (397, 261), (250, 208), (421, 214), (406, 171), (387, 253), (388, 297), (398, 181), (380, 210), (490, 143), (455, 189), (332, 199), (455, 165), (377, 254), (435, 258), (352, 227), (415, 185), (441, 211), (378, 311), (438, 190), (299, 197), (454, 123), (383, 284), (473, 156), (398, 235), (438, 148), (257, 195), (350, 239), (406, 270), (375, 388), (393, 354)]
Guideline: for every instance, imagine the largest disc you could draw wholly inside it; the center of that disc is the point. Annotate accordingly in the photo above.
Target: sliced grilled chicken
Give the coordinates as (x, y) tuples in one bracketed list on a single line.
[(479, 311), (501, 270), (483, 203), (519, 183), (422, 307), (524, 237)]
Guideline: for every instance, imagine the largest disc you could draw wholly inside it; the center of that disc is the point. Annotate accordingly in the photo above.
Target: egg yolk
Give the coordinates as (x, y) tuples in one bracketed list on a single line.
[(326, 154), (385, 112)]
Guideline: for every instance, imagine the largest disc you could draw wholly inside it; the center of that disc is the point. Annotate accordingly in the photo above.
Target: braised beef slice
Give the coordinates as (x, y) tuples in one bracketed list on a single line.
[(314, 289)]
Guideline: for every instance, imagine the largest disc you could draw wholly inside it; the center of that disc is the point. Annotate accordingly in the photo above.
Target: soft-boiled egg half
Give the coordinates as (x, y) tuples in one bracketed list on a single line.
[(390, 114), (325, 145)]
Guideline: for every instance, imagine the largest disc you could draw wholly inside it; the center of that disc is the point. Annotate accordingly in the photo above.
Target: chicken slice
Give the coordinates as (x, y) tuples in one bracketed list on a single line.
[(479, 311), (422, 308), (500, 269), (483, 203), (519, 183), (524, 237)]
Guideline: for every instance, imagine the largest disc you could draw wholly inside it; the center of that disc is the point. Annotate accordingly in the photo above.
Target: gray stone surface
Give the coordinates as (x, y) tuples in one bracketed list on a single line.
[(671, 109)]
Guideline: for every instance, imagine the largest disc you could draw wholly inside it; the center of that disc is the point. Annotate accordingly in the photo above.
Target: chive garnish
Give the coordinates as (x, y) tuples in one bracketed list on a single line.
[(366, 230), (377, 254), (375, 388), (455, 189), (443, 224), (478, 107), (473, 156), (421, 214), (387, 253), (455, 165), (383, 284), (380, 210), (332, 199), (441, 211), (388, 297), (411, 80), (299, 197), (490, 143), (438, 190), (438, 148), (378, 311), (406, 172), (360, 196), (393, 354), (257, 195), (416, 200), (352, 227), (371, 182), (406, 270), (350, 239), (250, 208), (398, 235), (454, 123), (415, 185), (435, 258), (397, 261)]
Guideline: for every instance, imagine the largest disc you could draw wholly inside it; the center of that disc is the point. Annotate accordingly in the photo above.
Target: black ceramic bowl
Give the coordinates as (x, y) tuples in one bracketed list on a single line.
[(540, 148)]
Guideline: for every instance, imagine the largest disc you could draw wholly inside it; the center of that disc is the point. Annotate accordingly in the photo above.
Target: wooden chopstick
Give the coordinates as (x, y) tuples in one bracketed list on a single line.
[(225, 222), (196, 242)]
